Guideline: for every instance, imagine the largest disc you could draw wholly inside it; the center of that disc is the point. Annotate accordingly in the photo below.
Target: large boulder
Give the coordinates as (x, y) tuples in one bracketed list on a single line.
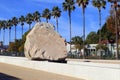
[(43, 43)]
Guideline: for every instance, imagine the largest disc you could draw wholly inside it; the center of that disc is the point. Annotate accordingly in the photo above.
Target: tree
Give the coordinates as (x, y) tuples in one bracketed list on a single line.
[(36, 16), (115, 7), (15, 22), (69, 5), (0, 29), (3, 25), (92, 38), (12, 47), (101, 46), (77, 41), (22, 20), (106, 33), (84, 4), (99, 4), (29, 19), (18, 45), (56, 13), (9, 25), (111, 22), (46, 14)]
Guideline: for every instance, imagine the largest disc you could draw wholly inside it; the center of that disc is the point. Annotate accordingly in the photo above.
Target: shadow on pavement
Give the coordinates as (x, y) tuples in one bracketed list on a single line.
[(7, 77)]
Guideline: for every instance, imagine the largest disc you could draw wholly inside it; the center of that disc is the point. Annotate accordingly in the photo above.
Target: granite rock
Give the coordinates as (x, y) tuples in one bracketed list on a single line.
[(44, 43)]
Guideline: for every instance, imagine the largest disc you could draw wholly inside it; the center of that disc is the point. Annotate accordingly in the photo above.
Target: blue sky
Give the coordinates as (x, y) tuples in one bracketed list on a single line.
[(11, 8)]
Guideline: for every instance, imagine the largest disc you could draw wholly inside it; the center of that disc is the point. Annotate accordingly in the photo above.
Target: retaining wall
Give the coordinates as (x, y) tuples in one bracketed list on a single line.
[(84, 70)]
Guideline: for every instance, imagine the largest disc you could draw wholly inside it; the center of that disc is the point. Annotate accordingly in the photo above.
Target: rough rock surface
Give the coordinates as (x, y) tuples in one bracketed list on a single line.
[(43, 42)]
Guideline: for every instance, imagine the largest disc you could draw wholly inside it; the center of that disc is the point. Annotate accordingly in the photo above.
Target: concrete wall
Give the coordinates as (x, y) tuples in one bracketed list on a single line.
[(85, 70)]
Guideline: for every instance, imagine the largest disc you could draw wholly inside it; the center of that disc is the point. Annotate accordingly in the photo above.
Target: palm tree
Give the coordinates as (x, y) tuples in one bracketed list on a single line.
[(22, 20), (36, 16), (0, 29), (56, 13), (9, 25), (46, 14), (29, 19), (115, 6), (68, 5), (77, 41), (15, 22), (3, 24), (83, 4), (99, 4)]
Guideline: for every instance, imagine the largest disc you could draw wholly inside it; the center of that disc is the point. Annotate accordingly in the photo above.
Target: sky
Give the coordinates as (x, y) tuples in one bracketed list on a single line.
[(16, 8)]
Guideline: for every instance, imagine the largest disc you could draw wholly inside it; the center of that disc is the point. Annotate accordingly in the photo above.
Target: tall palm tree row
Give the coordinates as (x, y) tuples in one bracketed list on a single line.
[(8, 24), (83, 4), (69, 5), (56, 13), (99, 4), (46, 14)]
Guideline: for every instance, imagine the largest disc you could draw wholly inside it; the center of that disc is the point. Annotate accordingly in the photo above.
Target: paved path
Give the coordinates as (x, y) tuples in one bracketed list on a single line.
[(96, 61), (11, 72)]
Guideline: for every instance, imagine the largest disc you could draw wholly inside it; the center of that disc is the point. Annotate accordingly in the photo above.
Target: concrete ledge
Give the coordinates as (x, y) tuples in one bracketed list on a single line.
[(85, 70)]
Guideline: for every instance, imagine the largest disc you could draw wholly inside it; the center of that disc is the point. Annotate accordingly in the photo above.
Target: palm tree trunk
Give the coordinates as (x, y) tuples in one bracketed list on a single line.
[(57, 24), (83, 10), (100, 30), (117, 51), (9, 35), (39, 20), (22, 30), (47, 20), (4, 37), (69, 14), (29, 26), (15, 33), (0, 35), (15, 40), (100, 25)]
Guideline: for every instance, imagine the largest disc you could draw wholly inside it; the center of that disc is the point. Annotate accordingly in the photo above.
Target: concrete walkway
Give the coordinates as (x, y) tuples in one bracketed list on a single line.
[(96, 61), (11, 72)]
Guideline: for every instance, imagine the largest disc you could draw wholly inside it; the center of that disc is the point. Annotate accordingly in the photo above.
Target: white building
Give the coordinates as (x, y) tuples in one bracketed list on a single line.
[(72, 48), (112, 48), (91, 49)]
